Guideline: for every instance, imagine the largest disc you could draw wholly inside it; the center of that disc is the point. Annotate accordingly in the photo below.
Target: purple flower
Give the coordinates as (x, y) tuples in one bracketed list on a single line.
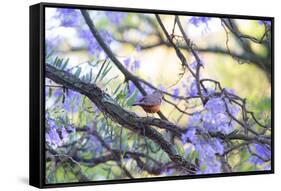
[(217, 146), (193, 65), (207, 150), (196, 21), (52, 44), (193, 90), (255, 160), (263, 22), (94, 145), (207, 158), (127, 62), (57, 133), (208, 117), (52, 136), (212, 167), (132, 65), (162, 88), (230, 91), (263, 154), (216, 119), (263, 151), (93, 46), (131, 88), (190, 135), (217, 122), (208, 92), (107, 38), (115, 17), (221, 118), (72, 101), (138, 48), (176, 92), (215, 105), (233, 109), (68, 17), (58, 92), (195, 118), (137, 64)]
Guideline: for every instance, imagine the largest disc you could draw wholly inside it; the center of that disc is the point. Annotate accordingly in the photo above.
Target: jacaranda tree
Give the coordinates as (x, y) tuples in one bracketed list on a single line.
[(94, 133)]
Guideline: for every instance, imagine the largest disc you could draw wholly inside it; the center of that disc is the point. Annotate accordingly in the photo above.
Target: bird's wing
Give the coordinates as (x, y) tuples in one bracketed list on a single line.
[(139, 102), (151, 100)]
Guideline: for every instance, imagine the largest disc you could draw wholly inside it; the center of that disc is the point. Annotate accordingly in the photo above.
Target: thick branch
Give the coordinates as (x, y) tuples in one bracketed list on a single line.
[(123, 117), (156, 169)]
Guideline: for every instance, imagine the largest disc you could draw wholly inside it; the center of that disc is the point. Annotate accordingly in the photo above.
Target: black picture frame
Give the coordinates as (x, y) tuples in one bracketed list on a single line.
[(37, 95)]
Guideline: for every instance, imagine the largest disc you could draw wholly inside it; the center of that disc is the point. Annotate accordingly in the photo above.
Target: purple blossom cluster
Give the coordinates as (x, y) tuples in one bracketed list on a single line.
[(215, 118), (262, 22), (93, 145), (92, 45), (197, 21), (176, 92), (132, 65), (68, 17), (208, 148), (56, 132), (72, 18), (52, 44), (71, 101), (115, 17), (132, 88), (193, 90), (262, 153)]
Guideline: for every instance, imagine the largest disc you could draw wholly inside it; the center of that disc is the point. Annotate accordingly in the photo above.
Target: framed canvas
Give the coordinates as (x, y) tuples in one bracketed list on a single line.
[(121, 95)]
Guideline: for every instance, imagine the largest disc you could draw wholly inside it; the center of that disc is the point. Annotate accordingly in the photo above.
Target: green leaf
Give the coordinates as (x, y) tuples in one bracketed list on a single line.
[(117, 89), (90, 75), (78, 72), (105, 71), (110, 80), (234, 132), (65, 64), (132, 98), (50, 92)]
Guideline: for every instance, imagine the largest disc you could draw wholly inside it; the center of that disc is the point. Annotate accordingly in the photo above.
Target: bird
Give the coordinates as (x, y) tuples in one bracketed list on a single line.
[(150, 103)]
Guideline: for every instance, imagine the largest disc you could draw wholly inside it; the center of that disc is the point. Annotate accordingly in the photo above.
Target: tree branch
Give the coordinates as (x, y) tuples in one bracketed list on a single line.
[(125, 118), (128, 75), (178, 51)]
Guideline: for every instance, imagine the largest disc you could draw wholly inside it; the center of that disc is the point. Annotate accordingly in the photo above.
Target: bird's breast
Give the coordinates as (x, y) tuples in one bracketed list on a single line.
[(151, 108)]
